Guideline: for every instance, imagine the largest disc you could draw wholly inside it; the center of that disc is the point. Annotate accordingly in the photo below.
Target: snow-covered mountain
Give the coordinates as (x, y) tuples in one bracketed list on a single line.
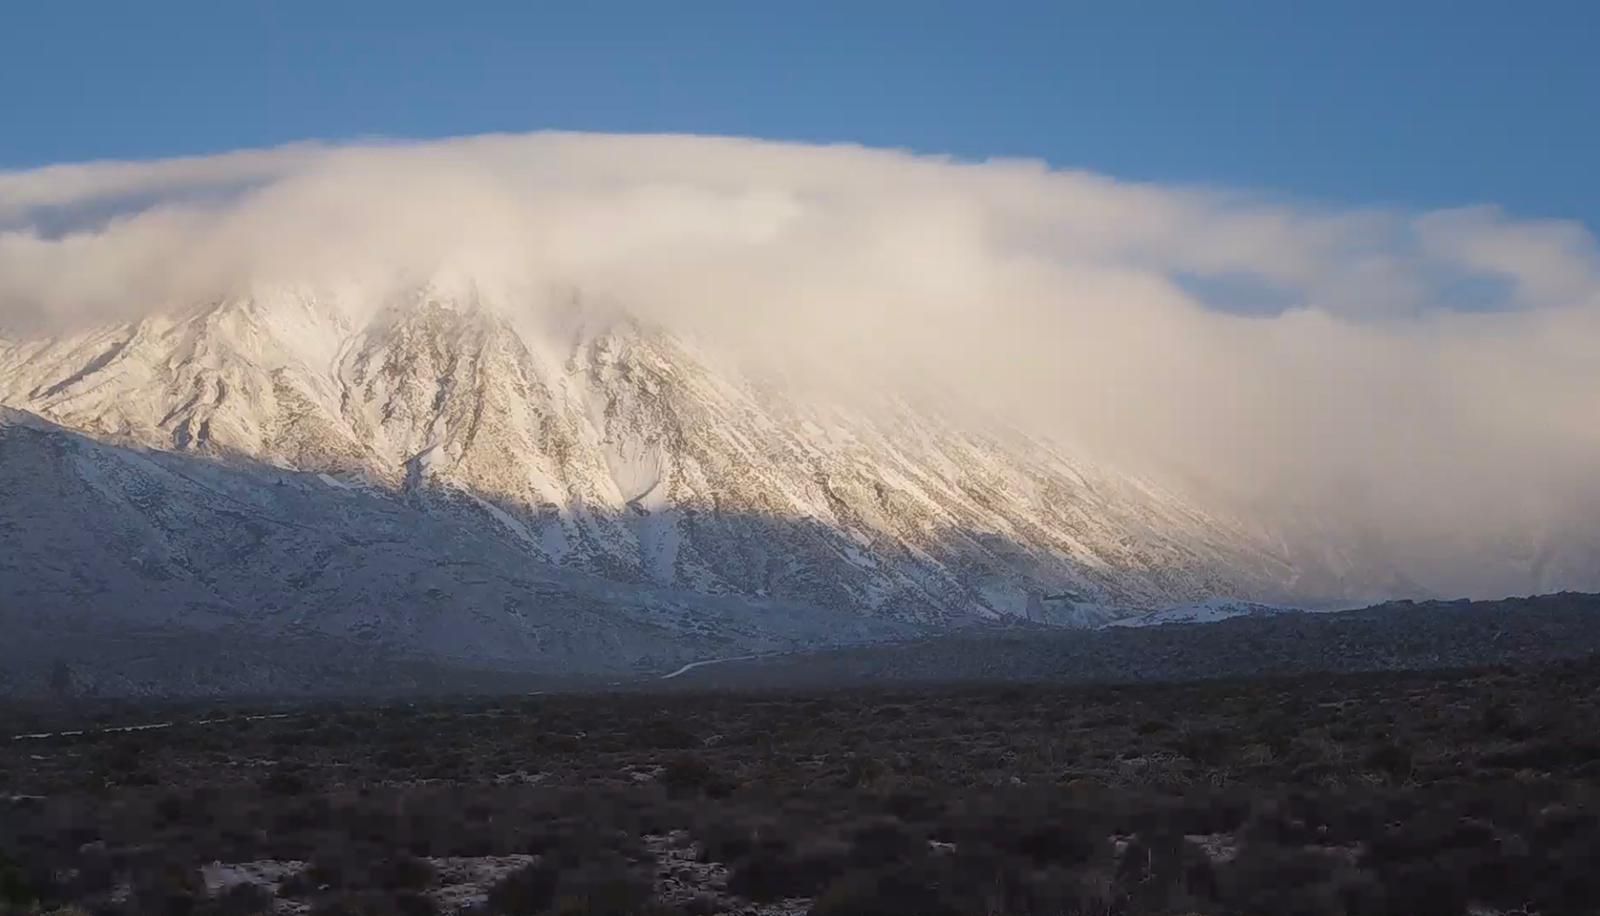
[(620, 451), (435, 474)]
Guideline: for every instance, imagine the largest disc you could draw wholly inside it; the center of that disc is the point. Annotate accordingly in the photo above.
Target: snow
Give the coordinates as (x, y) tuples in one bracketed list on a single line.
[(701, 664), (503, 517), (267, 873), (428, 457), (150, 726), (553, 540), (462, 882), (660, 539), (1005, 598), (637, 468)]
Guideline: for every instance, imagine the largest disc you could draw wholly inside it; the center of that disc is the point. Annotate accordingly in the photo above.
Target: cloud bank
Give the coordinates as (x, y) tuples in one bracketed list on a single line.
[(1429, 376)]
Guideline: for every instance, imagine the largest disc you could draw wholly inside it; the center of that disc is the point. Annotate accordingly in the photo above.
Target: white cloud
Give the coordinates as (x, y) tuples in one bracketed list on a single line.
[(1423, 373)]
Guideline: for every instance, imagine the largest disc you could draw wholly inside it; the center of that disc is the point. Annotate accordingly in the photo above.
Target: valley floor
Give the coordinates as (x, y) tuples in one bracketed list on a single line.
[(1423, 793)]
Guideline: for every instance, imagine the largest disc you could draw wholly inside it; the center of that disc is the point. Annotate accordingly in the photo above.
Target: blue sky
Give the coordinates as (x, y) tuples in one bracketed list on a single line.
[(1417, 104)]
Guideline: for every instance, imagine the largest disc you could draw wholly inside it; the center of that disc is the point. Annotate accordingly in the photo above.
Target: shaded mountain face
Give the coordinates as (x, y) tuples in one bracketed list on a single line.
[(624, 454), (104, 549)]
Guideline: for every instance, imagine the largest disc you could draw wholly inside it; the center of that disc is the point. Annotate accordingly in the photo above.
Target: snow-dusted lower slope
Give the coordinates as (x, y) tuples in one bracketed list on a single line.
[(97, 537), (623, 453)]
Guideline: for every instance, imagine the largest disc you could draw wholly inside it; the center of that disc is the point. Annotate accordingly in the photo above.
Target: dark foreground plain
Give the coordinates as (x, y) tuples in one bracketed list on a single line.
[(1416, 794)]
